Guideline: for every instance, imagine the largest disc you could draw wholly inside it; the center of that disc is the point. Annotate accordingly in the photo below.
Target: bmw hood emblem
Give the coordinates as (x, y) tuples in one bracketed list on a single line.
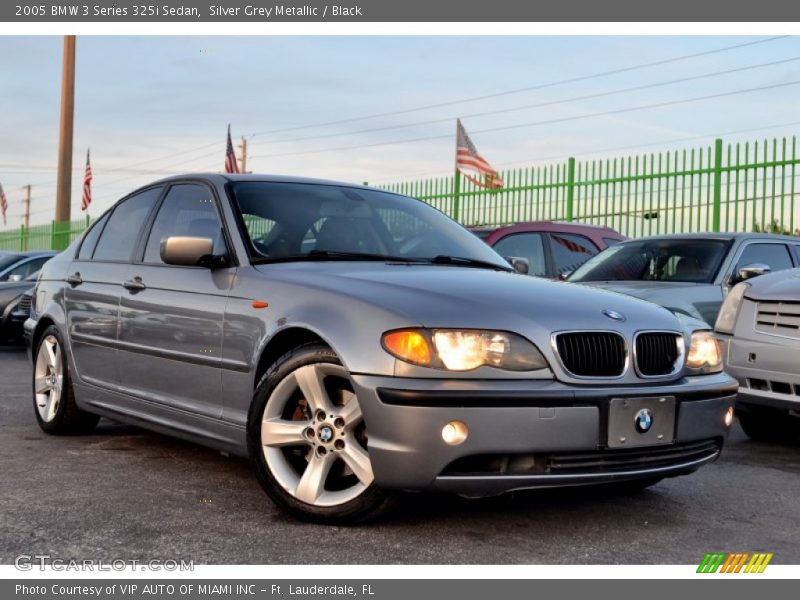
[(613, 315), (643, 420)]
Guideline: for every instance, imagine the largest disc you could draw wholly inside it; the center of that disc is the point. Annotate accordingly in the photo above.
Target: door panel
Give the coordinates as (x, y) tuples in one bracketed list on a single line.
[(92, 310), (171, 336)]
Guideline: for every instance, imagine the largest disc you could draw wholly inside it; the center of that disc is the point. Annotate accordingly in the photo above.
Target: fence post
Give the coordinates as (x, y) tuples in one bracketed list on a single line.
[(23, 242), (717, 215), (570, 188), (456, 196), (53, 235)]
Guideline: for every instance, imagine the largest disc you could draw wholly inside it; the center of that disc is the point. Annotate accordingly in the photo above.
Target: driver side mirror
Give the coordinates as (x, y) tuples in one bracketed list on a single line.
[(190, 252), (14, 278), (519, 264), (750, 271)]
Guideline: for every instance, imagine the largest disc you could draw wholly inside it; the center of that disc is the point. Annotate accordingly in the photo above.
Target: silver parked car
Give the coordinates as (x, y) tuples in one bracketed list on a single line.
[(353, 342), (688, 273), (759, 327)]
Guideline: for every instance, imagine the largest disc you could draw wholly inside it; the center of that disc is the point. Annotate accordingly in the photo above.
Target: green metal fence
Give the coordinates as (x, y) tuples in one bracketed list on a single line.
[(52, 236), (721, 187)]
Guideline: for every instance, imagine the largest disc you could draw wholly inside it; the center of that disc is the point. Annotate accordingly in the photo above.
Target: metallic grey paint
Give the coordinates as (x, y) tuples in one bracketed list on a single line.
[(180, 351)]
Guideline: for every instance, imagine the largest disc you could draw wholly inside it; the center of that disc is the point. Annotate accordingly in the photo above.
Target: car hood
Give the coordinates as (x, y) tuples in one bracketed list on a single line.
[(9, 291), (784, 285), (448, 296)]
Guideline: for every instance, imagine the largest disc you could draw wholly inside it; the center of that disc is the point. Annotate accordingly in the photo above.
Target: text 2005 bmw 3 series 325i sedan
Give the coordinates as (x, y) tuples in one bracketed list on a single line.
[(354, 342)]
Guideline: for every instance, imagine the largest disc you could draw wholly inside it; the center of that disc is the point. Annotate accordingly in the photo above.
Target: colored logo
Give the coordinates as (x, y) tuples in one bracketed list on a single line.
[(643, 420), (736, 562), (613, 315), (325, 434)]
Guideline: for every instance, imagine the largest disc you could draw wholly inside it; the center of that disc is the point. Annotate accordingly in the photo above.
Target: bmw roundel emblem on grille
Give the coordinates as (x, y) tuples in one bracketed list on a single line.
[(643, 420), (614, 315)]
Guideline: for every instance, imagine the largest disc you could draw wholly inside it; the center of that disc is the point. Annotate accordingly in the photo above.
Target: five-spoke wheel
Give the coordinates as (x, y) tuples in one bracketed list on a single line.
[(308, 439)]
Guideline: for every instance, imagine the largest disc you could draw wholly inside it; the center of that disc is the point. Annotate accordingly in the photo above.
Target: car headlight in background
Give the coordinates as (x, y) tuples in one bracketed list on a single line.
[(726, 321), (464, 349), (704, 354)]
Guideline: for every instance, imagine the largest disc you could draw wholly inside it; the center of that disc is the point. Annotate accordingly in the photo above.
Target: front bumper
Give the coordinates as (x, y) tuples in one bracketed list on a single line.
[(525, 434)]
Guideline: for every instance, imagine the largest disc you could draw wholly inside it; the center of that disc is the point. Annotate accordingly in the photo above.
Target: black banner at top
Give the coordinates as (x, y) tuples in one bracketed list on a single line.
[(474, 11)]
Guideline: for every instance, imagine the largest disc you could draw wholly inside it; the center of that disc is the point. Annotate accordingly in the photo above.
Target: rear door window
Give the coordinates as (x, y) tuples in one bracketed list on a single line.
[(570, 251), (118, 239), (525, 245), (90, 239)]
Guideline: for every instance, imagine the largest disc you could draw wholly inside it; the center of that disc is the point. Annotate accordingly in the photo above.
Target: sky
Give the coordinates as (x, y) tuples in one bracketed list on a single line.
[(149, 107)]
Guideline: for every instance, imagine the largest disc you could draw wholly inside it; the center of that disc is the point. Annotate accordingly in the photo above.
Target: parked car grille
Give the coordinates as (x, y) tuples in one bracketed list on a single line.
[(657, 353), (778, 317), (592, 353), (24, 305), (588, 462)]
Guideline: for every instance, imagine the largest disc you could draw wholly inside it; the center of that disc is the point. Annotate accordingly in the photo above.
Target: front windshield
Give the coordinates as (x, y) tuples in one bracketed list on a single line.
[(686, 260), (297, 221)]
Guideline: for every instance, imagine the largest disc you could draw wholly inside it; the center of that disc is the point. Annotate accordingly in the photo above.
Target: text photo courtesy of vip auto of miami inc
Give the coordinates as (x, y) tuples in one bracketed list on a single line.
[(345, 300)]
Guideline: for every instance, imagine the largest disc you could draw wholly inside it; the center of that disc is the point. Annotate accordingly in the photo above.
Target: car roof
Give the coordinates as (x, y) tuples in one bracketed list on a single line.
[(724, 236), (222, 178)]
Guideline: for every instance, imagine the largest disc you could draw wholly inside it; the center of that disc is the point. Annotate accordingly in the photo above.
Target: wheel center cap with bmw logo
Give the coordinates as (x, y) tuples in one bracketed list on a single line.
[(643, 420), (325, 434)]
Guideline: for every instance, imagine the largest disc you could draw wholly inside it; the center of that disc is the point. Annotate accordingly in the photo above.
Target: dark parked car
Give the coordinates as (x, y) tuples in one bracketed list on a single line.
[(552, 249), (688, 273), (347, 340), (14, 307), (759, 328), (16, 266)]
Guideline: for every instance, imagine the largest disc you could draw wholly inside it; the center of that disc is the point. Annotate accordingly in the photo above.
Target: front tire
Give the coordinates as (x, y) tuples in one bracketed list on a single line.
[(308, 441), (53, 396), (764, 424)]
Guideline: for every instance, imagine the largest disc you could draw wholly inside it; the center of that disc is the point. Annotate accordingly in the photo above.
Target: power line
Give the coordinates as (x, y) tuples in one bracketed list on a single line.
[(543, 104), (545, 122), (531, 88)]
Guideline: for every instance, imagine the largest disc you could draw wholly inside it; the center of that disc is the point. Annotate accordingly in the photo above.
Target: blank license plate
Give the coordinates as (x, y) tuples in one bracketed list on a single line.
[(634, 422)]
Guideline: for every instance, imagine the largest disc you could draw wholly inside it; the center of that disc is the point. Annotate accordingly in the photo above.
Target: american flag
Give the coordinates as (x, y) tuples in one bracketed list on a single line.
[(87, 185), (231, 164), (3, 204), (468, 158)]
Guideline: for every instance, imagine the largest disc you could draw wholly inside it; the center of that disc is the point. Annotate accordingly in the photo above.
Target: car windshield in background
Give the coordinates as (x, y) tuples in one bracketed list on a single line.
[(299, 221), (6, 260), (686, 260)]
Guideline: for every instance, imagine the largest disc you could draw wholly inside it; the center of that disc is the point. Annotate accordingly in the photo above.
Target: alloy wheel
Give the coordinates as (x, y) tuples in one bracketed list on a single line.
[(48, 378)]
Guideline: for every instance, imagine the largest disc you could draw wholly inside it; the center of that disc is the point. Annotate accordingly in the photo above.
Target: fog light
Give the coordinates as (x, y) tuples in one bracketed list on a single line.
[(454, 433), (729, 417)]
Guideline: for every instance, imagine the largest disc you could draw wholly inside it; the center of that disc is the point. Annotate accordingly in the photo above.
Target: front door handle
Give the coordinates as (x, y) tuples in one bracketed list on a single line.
[(134, 285), (74, 280)]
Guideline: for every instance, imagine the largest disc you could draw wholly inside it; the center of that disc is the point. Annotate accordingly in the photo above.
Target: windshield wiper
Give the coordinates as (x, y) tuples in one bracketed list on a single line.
[(316, 255), (462, 261)]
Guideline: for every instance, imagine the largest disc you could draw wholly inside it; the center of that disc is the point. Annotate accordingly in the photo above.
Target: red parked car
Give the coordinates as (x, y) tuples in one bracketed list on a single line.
[(553, 249)]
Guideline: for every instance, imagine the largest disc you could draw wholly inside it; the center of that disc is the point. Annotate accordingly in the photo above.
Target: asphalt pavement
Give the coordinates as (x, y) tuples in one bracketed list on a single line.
[(125, 493)]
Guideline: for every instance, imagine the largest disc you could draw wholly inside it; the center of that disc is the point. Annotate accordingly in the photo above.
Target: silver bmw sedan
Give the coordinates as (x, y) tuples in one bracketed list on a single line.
[(354, 343)]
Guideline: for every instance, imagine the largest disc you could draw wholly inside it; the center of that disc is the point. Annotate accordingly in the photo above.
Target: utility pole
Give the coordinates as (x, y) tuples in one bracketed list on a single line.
[(243, 160), (26, 214), (64, 185)]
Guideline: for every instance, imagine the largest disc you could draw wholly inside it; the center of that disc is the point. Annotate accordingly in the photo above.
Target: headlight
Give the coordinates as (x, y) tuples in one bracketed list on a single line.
[(704, 354), (464, 349), (726, 321)]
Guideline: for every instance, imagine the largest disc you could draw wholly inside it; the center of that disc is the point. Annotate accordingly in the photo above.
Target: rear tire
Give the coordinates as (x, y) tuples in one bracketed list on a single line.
[(53, 397), (308, 442)]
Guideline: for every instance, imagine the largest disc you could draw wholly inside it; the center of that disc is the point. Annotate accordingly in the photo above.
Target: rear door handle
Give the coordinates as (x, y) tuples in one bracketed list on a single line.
[(134, 285), (74, 280)]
